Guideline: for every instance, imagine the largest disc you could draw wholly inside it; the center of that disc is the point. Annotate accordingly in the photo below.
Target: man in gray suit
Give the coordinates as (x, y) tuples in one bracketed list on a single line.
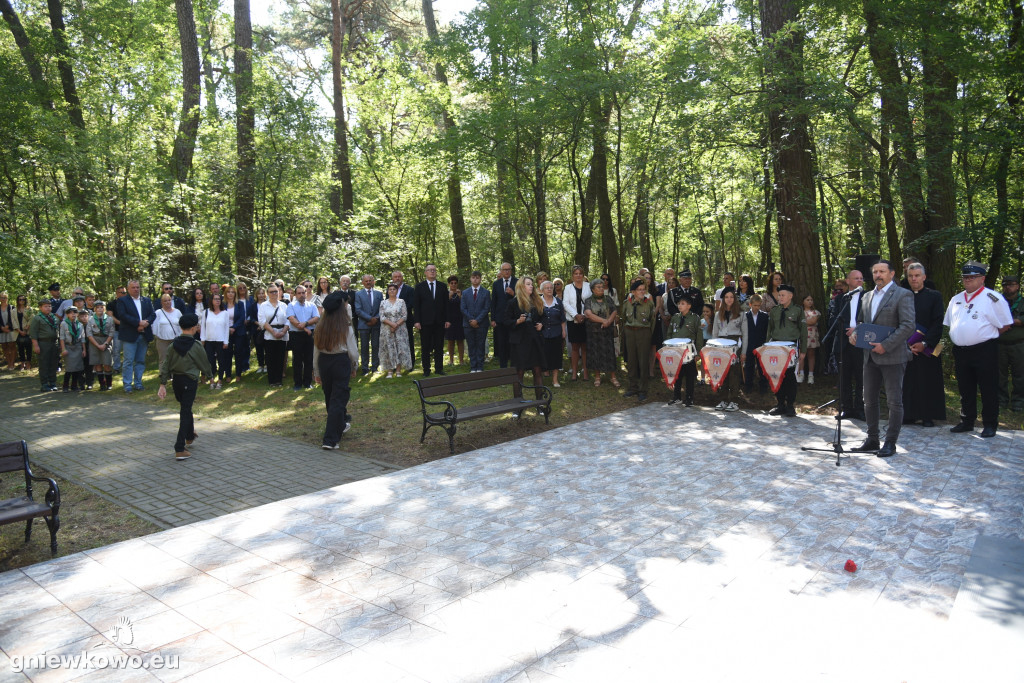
[(892, 306), (368, 302)]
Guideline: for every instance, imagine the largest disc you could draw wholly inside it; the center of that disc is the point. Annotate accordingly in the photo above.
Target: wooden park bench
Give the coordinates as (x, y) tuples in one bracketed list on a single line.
[(461, 383), (14, 457)]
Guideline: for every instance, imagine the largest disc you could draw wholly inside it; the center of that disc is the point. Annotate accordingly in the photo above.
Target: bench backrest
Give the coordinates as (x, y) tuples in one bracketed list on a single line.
[(13, 456), (454, 384)]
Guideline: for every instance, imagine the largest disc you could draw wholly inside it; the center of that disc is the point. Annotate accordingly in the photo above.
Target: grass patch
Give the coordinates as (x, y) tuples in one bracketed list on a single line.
[(87, 521)]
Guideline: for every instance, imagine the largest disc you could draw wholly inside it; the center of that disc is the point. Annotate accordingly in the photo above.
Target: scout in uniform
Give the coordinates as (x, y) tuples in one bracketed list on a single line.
[(43, 331), (99, 333), (72, 349), (976, 317), (1011, 348), (182, 365), (787, 322), (638, 319), (685, 323)]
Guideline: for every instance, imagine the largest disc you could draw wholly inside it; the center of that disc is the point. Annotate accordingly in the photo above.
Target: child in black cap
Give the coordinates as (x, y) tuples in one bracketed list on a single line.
[(184, 362)]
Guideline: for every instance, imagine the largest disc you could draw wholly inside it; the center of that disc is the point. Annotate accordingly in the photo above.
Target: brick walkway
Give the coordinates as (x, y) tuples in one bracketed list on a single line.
[(121, 449)]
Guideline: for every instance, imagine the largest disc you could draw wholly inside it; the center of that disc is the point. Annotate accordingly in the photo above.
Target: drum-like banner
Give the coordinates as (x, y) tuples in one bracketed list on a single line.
[(671, 359), (774, 360), (717, 361)]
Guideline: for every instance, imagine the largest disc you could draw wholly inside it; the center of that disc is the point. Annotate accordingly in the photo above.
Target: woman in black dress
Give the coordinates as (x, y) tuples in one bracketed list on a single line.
[(553, 331), (455, 334), (524, 317)]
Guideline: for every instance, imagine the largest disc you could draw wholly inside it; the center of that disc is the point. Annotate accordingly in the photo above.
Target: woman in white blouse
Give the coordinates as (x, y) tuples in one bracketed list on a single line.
[(165, 326), (213, 331), (273, 321)]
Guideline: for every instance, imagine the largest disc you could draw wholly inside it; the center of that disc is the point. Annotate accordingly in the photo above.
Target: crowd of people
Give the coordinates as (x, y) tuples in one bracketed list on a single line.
[(577, 330)]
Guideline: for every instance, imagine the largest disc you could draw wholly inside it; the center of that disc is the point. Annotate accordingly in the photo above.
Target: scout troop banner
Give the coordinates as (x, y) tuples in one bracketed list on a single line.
[(774, 360), (717, 360), (672, 358)]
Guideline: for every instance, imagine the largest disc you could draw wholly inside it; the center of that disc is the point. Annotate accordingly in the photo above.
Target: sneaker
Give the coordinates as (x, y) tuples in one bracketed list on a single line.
[(388, 376), (799, 377), (688, 403), (777, 410), (675, 401), (721, 405), (348, 426), (731, 407), (329, 447), (182, 455), (810, 378), (189, 442)]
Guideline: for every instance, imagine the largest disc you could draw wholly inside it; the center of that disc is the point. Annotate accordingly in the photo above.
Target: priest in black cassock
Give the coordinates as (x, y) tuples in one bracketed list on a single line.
[(924, 394)]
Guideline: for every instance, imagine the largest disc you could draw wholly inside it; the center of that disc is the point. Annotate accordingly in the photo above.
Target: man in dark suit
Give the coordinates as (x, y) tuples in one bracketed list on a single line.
[(757, 334), (430, 303), (406, 294), (851, 403), (176, 301), (885, 364), (430, 306), (136, 314), (475, 306), (502, 291)]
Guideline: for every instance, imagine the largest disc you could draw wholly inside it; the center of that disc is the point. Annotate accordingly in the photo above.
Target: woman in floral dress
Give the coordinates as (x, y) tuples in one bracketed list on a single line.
[(394, 337)]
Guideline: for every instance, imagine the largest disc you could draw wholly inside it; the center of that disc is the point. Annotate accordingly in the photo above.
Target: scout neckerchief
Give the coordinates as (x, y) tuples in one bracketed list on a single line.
[(50, 319), (73, 328), (101, 323)]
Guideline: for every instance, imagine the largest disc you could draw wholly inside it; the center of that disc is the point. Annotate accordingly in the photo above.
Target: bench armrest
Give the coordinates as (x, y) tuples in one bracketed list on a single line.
[(53, 492), (451, 413), (547, 392)]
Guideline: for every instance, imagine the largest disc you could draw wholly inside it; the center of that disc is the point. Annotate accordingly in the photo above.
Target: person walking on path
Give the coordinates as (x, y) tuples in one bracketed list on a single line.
[(184, 363), (334, 365)]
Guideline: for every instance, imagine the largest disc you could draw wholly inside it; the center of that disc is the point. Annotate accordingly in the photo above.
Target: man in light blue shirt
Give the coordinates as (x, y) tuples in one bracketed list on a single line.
[(302, 319)]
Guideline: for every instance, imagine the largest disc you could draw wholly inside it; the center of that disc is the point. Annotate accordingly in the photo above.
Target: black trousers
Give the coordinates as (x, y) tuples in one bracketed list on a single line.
[(275, 350), (261, 352), (787, 390), (185, 392), (220, 359), (302, 359), (240, 349), (687, 373), (752, 369), (335, 372), (502, 347), (977, 370), (24, 349), (432, 344), (853, 376), (48, 356)]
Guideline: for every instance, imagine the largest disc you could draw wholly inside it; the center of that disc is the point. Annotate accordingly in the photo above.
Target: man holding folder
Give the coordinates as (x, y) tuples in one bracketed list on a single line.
[(888, 311)]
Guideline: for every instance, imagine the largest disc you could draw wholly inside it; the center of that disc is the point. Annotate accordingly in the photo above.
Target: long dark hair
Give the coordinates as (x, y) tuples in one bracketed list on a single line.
[(734, 311), (333, 328), (749, 282)]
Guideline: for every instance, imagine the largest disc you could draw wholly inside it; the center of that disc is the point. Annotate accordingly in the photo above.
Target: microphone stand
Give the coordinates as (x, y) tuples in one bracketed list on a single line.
[(837, 437)]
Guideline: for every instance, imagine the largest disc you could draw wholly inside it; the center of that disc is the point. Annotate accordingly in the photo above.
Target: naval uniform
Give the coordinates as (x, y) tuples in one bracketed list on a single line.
[(788, 324), (974, 322)]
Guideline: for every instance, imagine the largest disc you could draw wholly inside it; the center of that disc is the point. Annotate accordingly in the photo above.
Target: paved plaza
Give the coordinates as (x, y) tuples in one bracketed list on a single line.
[(122, 449), (652, 544)]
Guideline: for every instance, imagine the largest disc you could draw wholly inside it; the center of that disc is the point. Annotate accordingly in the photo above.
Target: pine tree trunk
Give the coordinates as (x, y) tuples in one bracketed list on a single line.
[(245, 128), (342, 199), (184, 255)]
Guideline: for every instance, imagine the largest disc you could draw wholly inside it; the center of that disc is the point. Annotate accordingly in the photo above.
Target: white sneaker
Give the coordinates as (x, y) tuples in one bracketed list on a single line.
[(810, 378), (732, 408), (799, 377), (388, 376), (721, 406)]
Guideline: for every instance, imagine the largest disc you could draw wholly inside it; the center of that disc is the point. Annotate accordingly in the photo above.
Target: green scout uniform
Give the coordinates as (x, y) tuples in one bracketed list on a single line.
[(182, 366), (687, 327), (638, 319), (1011, 358), (44, 329), (788, 324)]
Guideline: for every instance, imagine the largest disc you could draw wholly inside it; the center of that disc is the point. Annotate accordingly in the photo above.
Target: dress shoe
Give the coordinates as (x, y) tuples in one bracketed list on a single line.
[(988, 432), (790, 411), (962, 427), (868, 445), (887, 450), (927, 423), (629, 393)]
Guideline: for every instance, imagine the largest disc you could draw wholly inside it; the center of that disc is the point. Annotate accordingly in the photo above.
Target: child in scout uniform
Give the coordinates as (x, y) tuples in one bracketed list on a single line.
[(72, 349), (44, 330), (638, 319), (787, 322), (182, 365), (99, 333), (686, 323)]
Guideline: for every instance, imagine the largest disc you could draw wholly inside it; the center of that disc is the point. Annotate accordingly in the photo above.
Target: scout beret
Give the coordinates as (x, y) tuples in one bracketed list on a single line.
[(55, 287), (188, 321), (974, 268), (99, 303), (787, 288), (685, 297), (44, 301), (334, 300), (70, 309)]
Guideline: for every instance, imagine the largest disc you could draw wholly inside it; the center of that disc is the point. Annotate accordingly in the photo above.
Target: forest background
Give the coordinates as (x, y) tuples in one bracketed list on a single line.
[(176, 140)]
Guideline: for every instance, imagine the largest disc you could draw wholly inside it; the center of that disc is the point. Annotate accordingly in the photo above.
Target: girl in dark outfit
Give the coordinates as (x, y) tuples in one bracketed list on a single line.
[(524, 319)]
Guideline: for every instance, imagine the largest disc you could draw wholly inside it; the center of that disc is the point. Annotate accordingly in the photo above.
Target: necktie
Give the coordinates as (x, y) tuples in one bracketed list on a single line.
[(474, 294), (506, 284), (431, 290)]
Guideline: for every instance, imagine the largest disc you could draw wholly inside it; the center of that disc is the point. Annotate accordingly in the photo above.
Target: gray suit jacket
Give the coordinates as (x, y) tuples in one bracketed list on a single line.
[(896, 310)]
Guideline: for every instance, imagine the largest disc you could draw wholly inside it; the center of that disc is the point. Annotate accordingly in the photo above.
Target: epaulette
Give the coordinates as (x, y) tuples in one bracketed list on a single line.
[(993, 296)]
